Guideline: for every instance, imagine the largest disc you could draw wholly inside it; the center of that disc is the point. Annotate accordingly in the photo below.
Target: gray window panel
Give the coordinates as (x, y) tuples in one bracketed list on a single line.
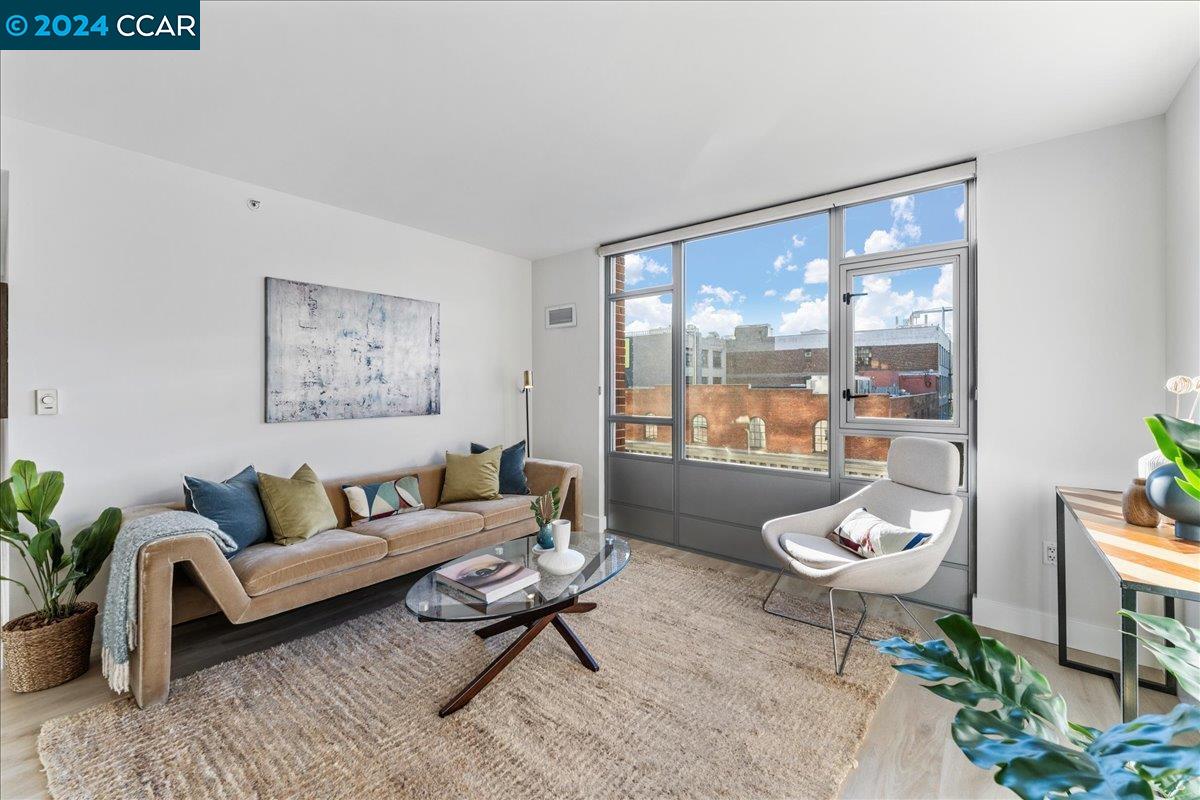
[(641, 522), (642, 483), (731, 541), (946, 589), (745, 496)]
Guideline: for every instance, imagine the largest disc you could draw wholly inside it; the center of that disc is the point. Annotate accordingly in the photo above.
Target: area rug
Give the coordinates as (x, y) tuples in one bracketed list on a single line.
[(700, 694)]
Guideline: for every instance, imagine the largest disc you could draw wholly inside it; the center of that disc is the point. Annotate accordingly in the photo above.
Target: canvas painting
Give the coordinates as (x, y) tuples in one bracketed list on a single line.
[(344, 354)]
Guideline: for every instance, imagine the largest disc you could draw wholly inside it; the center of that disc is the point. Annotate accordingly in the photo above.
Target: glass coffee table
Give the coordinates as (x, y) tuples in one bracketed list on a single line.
[(532, 608)]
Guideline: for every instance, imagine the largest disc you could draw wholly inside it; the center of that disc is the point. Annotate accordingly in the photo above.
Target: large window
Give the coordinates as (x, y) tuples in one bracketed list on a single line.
[(757, 312), (765, 362)]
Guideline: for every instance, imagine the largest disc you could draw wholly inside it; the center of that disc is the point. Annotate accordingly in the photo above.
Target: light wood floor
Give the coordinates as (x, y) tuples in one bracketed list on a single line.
[(907, 754)]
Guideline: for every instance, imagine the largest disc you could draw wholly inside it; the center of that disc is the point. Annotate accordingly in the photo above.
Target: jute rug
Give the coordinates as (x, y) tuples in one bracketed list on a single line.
[(700, 694)]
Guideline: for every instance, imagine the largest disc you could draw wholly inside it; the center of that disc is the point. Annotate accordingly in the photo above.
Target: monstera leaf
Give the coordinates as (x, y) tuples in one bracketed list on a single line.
[(1012, 721), (1035, 768), (1183, 658), (984, 670)]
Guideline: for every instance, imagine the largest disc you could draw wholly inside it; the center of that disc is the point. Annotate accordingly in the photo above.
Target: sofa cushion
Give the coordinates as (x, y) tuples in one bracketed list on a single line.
[(233, 504), (506, 510), (268, 566), (405, 533), (475, 477), (296, 507), (512, 467)]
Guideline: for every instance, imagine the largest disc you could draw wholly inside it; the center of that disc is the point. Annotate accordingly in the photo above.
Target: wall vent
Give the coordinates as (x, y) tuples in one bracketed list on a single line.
[(560, 316)]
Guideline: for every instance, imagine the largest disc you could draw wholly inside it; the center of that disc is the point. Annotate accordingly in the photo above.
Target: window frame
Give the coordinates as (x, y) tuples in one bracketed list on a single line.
[(699, 426), (962, 341)]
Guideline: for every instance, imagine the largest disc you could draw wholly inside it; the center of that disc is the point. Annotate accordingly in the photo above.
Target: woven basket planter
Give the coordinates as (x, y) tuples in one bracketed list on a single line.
[(37, 658)]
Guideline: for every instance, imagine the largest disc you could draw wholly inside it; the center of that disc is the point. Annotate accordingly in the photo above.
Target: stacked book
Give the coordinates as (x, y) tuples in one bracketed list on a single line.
[(486, 578)]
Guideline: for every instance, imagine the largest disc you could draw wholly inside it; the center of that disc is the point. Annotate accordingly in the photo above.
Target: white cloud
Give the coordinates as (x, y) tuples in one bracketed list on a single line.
[(794, 296), (770, 293), (638, 268), (798, 241), (710, 319), (850, 253), (785, 262), (724, 295), (647, 313), (905, 232), (882, 241), (817, 271), (883, 307), (960, 213), (809, 315)]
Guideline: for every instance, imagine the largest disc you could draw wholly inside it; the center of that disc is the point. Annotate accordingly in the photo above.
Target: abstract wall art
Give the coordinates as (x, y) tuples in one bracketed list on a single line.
[(344, 354)]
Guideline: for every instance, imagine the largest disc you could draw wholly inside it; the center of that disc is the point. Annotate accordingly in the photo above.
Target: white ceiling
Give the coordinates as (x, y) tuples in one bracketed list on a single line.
[(539, 128)]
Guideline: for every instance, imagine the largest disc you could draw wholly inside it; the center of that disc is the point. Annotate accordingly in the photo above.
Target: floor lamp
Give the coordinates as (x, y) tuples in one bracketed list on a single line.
[(526, 389)]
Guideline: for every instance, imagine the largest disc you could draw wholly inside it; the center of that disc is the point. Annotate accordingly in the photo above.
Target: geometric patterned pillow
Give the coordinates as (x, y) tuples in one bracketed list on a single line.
[(379, 500), (867, 535)]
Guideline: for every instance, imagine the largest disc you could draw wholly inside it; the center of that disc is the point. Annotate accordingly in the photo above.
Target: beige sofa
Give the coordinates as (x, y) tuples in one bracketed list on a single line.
[(184, 578)]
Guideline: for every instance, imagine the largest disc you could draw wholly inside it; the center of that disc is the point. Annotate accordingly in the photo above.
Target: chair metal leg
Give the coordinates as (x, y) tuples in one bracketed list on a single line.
[(908, 611), (838, 669), (832, 627)]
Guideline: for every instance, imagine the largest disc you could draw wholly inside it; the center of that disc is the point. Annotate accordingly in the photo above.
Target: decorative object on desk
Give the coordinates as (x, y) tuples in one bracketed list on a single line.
[(1180, 385), (1135, 506), (487, 577), (561, 560), (1039, 752), (344, 354), (53, 644), (1174, 488), (545, 511)]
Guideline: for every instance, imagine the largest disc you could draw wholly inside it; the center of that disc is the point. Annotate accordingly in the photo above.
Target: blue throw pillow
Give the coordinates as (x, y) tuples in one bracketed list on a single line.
[(512, 467), (233, 504)]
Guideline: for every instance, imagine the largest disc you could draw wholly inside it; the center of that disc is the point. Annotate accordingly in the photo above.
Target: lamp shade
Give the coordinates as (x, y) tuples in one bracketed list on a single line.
[(527, 379)]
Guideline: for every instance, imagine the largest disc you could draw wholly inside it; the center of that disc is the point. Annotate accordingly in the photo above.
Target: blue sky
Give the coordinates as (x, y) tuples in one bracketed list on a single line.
[(778, 273)]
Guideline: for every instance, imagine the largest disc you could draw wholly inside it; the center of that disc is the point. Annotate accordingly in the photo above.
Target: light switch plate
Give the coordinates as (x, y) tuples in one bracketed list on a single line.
[(46, 401)]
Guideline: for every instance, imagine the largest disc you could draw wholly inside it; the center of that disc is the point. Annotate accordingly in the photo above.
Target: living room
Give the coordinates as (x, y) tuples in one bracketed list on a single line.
[(625, 399)]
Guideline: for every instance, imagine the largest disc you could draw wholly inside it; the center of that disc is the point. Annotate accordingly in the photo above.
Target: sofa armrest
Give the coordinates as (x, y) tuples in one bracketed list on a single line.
[(543, 475), (150, 667)]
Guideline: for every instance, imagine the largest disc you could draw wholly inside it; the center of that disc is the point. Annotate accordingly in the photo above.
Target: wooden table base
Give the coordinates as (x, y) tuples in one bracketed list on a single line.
[(534, 623)]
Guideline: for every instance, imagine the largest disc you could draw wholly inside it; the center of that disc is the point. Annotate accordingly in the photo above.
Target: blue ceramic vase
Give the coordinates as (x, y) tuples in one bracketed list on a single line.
[(1172, 501), (545, 540)]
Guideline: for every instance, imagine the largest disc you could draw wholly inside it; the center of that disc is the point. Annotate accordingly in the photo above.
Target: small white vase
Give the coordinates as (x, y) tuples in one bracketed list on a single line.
[(560, 531)]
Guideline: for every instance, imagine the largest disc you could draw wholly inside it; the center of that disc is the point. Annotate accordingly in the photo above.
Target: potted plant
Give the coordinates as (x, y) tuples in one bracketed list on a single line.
[(51, 645), (1174, 488), (545, 511), (1012, 720)]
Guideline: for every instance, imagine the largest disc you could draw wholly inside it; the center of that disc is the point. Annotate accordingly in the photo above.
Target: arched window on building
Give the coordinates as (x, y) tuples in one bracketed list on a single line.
[(651, 432), (821, 436), (756, 434), (699, 429)]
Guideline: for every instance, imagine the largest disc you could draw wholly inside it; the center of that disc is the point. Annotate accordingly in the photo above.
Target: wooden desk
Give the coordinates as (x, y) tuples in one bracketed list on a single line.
[(1149, 560)]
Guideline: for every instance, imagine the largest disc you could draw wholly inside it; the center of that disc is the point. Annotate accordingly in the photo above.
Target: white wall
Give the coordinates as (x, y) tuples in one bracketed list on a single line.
[(1183, 229), (568, 368), (1071, 239), (137, 292)]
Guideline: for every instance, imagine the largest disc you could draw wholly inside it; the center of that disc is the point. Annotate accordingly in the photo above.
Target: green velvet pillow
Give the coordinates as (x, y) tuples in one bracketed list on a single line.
[(296, 507), (474, 477)]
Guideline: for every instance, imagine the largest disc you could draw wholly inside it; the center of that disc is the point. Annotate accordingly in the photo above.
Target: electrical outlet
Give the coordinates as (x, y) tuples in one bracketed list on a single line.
[(1050, 553)]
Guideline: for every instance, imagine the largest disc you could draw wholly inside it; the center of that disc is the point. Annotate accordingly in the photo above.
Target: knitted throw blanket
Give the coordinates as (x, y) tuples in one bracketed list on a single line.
[(118, 632)]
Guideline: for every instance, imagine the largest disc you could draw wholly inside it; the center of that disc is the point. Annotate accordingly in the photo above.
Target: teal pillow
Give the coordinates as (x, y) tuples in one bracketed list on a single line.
[(379, 500), (233, 504)]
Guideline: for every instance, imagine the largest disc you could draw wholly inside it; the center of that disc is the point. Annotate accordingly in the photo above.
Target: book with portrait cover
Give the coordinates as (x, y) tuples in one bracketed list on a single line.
[(486, 577)]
